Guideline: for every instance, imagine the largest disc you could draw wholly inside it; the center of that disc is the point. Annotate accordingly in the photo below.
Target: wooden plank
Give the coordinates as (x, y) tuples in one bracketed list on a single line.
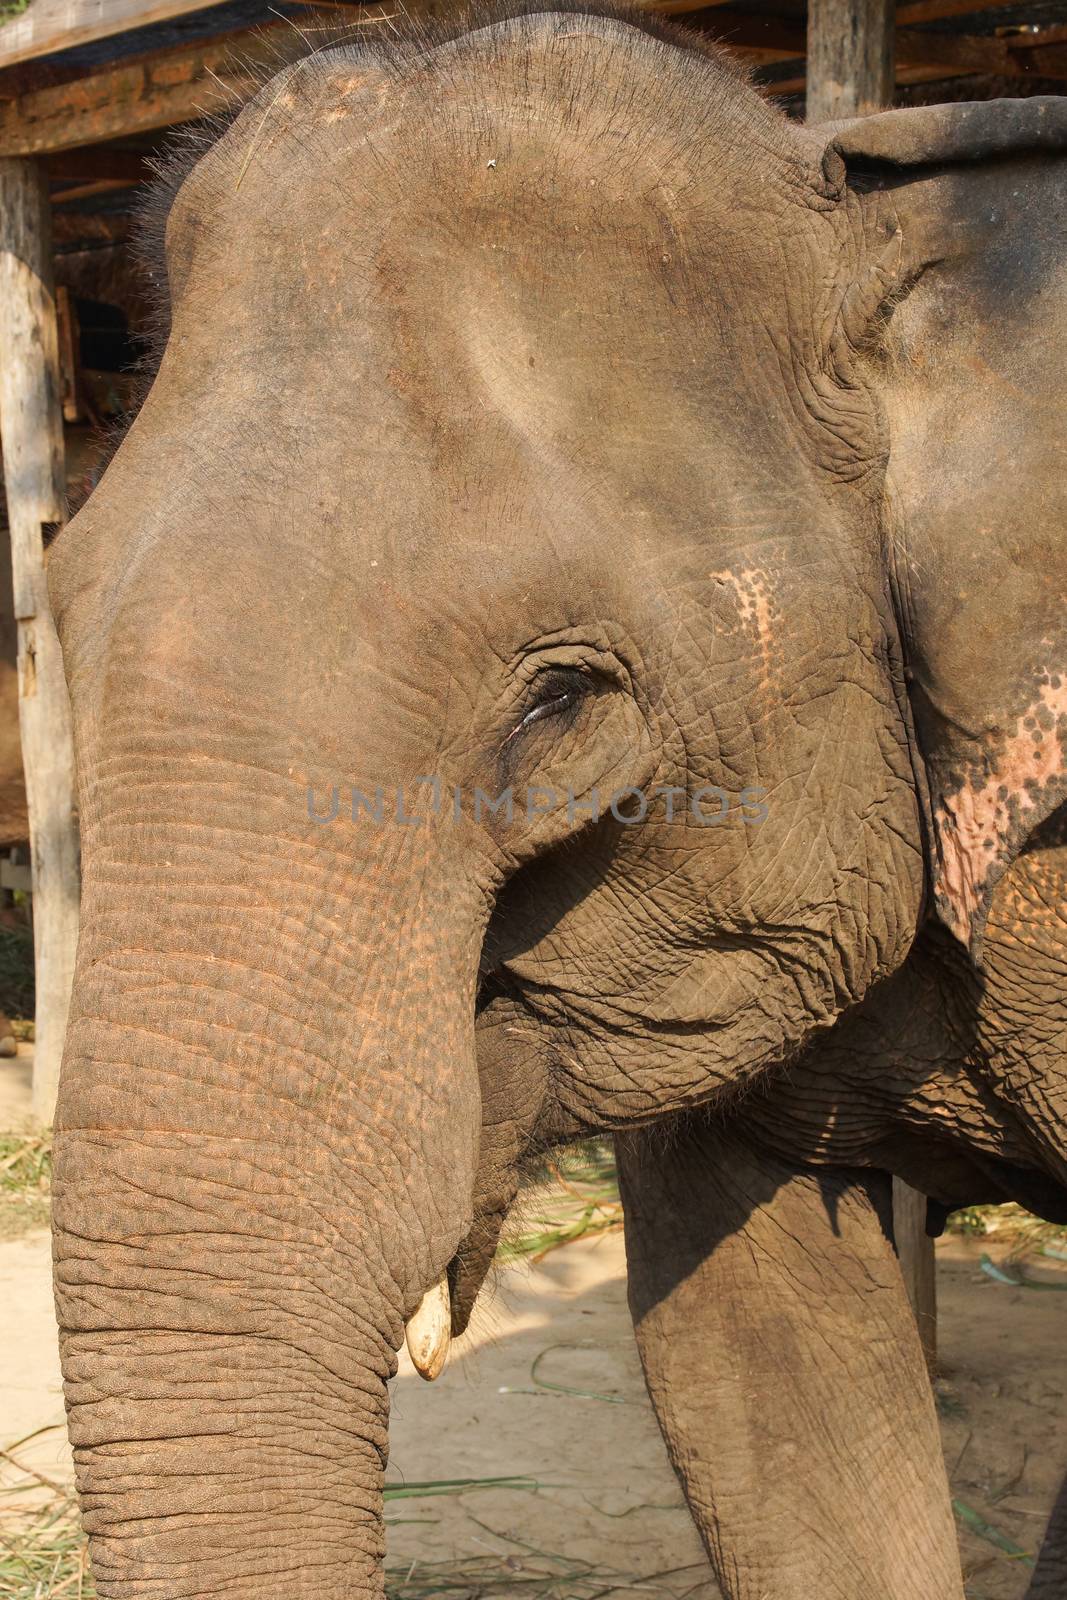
[(851, 64), (72, 230), (31, 432), (49, 25), (97, 163), (138, 95), (915, 1251), (954, 53), (909, 14), (86, 191), (761, 39), (936, 10), (143, 93), (928, 58), (749, 32)]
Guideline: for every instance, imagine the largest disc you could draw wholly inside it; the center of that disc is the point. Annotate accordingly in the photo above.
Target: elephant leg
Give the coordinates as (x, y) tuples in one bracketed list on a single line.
[(785, 1368), (1049, 1581)]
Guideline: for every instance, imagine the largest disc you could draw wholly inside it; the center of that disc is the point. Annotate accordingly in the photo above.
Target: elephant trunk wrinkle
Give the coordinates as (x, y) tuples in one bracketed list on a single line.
[(258, 1171)]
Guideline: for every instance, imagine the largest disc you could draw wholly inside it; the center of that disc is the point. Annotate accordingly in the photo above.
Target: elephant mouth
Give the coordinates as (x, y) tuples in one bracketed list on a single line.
[(445, 1309), (512, 1148)]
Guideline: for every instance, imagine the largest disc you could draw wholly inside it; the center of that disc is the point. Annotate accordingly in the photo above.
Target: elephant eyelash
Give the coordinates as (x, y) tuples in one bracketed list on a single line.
[(551, 708), (557, 693)]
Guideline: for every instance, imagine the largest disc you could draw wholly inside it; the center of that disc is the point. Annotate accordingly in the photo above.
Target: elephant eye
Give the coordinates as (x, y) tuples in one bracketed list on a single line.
[(556, 692)]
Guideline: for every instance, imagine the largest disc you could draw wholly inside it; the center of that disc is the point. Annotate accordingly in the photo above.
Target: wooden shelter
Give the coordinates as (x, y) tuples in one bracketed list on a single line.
[(88, 90)]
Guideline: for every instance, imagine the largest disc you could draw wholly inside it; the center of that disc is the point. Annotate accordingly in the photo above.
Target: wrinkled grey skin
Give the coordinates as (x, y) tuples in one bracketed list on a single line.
[(770, 1229), (540, 408)]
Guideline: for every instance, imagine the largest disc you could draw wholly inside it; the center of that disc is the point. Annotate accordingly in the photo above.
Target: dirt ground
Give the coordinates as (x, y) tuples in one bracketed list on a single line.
[(1003, 1402), (16, 1079), (547, 1388)]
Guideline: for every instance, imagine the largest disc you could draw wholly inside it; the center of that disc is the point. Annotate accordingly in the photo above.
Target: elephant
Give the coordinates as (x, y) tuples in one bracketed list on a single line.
[(645, 511), (942, 1076)]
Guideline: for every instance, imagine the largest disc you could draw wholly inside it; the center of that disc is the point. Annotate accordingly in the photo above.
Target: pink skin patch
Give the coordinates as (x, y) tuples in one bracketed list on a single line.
[(751, 587), (980, 826)]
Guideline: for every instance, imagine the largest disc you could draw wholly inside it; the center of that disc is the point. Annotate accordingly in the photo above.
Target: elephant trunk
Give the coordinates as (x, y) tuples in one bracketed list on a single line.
[(265, 1155)]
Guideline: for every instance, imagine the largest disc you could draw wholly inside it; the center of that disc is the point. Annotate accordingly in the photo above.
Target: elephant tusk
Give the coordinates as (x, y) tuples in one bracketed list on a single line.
[(429, 1330)]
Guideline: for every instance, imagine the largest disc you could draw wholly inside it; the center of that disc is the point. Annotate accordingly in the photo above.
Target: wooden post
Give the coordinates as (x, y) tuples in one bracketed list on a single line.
[(31, 433), (851, 65), (915, 1251)]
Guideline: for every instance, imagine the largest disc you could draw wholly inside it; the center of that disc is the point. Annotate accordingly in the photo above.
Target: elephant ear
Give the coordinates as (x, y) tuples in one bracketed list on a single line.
[(961, 211)]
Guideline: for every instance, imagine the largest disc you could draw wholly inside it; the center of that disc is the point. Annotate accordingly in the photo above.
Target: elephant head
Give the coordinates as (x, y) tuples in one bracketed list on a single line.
[(522, 428)]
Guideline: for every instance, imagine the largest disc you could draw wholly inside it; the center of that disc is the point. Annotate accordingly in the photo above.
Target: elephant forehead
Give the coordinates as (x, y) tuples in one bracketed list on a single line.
[(480, 233), (562, 102), (445, 331)]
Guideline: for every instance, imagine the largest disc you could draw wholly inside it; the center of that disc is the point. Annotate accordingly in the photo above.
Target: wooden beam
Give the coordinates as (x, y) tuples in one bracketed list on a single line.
[(31, 433), (137, 95), (747, 32), (762, 40), (914, 11), (930, 57), (156, 90), (87, 191), (851, 64), (49, 25), (722, 18), (76, 230), (915, 1251), (907, 13), (97, 164), (955, 53)]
